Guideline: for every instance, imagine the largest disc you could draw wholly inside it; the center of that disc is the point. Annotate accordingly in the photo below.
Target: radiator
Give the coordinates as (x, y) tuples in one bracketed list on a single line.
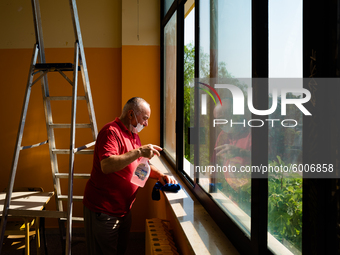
[(158, 238)]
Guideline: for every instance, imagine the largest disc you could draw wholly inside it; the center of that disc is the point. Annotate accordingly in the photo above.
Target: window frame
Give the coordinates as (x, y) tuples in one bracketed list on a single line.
[(164, 19)]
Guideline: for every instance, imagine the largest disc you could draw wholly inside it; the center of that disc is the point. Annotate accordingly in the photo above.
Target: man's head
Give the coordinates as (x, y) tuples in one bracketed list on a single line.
[(136, 112)]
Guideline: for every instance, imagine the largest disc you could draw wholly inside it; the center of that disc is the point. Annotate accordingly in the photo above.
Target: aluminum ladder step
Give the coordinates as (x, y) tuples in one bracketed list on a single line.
[(74, 198), (66, 125), (75, 176), (64, 98), (54, 67), (67, 151), (75, 219), (37, 213)]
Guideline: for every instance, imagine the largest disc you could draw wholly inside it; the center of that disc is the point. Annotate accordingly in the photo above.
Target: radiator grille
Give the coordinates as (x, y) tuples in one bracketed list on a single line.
[(158, 238)]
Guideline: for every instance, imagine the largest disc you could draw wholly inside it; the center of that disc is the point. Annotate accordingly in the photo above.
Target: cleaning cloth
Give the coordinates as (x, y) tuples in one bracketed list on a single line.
[(167, 187)]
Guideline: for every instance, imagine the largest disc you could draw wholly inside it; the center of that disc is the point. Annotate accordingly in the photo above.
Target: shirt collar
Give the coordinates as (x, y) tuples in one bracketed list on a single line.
[(123, 127)]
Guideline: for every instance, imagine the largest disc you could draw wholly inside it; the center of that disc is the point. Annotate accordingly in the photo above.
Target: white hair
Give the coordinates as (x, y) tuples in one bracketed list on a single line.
[(133, 104)]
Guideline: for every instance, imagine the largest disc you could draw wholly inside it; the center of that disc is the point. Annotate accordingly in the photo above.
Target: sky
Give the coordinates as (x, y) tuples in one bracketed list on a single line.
[(234, 33)]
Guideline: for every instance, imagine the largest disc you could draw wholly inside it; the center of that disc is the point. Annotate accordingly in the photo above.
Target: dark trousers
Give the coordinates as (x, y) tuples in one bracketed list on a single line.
[(106, 234)]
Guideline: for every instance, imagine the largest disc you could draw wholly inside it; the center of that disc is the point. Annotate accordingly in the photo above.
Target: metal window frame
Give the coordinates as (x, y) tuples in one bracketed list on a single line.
[(164, 19)]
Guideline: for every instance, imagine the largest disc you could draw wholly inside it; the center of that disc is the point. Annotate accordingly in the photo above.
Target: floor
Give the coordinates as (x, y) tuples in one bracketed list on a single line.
[(78, 244)]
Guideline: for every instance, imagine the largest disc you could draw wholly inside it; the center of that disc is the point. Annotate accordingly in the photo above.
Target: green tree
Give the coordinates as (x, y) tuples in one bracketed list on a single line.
[(189, 75)]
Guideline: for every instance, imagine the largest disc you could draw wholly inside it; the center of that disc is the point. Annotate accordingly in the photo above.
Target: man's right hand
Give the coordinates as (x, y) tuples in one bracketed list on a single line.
[(116, 163), (149, 150)]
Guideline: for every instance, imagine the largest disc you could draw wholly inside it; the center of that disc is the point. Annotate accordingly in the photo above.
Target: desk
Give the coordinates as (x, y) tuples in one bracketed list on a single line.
[(27, 200)]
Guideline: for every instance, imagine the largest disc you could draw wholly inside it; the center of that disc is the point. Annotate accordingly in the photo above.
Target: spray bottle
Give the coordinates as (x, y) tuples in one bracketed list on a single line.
[(141, 174)]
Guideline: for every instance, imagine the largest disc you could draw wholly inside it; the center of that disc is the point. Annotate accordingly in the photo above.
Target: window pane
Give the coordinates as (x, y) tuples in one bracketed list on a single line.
[(285, 143), (189, 73), (225, 58), (167, 5), (169, 120)]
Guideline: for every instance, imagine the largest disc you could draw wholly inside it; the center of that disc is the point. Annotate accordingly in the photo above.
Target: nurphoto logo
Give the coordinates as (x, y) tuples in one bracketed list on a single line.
[(238, 104)]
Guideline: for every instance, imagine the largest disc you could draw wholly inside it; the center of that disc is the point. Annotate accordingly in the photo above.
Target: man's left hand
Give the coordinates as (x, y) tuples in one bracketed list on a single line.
[(167, 179)]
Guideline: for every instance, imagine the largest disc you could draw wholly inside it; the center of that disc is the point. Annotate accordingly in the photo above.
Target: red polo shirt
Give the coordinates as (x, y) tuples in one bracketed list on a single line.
[(113, 193)]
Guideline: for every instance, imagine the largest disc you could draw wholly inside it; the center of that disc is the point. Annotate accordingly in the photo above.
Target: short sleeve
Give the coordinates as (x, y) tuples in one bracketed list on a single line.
[(107, 144)]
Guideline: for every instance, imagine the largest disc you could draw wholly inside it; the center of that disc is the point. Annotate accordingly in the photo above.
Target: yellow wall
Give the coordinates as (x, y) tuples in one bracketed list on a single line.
[(120, 66)]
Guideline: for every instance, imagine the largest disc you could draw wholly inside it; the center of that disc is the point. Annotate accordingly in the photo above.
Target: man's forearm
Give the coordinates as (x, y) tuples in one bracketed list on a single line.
[(163, 178), (155, 173), (116, 163)]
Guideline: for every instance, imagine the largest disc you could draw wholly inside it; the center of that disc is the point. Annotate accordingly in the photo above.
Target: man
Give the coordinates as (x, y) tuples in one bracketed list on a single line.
[(109, 194)]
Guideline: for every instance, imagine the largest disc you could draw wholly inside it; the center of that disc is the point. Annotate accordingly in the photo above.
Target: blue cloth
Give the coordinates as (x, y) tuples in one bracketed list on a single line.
[(167, 187)]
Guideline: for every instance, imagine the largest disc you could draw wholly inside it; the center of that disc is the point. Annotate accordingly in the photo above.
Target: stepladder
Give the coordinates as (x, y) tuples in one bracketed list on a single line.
[(75, 96)]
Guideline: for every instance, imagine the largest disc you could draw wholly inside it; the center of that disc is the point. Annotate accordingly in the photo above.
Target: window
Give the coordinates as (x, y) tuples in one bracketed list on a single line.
[(225, 58), (285, 144), (258, 48), (189, 86), (167, 5), (170, 70)]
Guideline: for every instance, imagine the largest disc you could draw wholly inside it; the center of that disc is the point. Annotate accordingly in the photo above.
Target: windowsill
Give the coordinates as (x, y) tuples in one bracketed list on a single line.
[(201, 231)]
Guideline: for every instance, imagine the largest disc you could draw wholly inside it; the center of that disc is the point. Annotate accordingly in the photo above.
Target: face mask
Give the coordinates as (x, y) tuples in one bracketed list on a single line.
[(138, 128)]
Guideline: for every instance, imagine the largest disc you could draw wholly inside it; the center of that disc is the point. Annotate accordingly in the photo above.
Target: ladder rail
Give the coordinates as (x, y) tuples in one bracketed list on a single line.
[(72, 145), (38, 29), (47, 107), (83, 67), (18, 146), (45, 91), (89, 101)]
